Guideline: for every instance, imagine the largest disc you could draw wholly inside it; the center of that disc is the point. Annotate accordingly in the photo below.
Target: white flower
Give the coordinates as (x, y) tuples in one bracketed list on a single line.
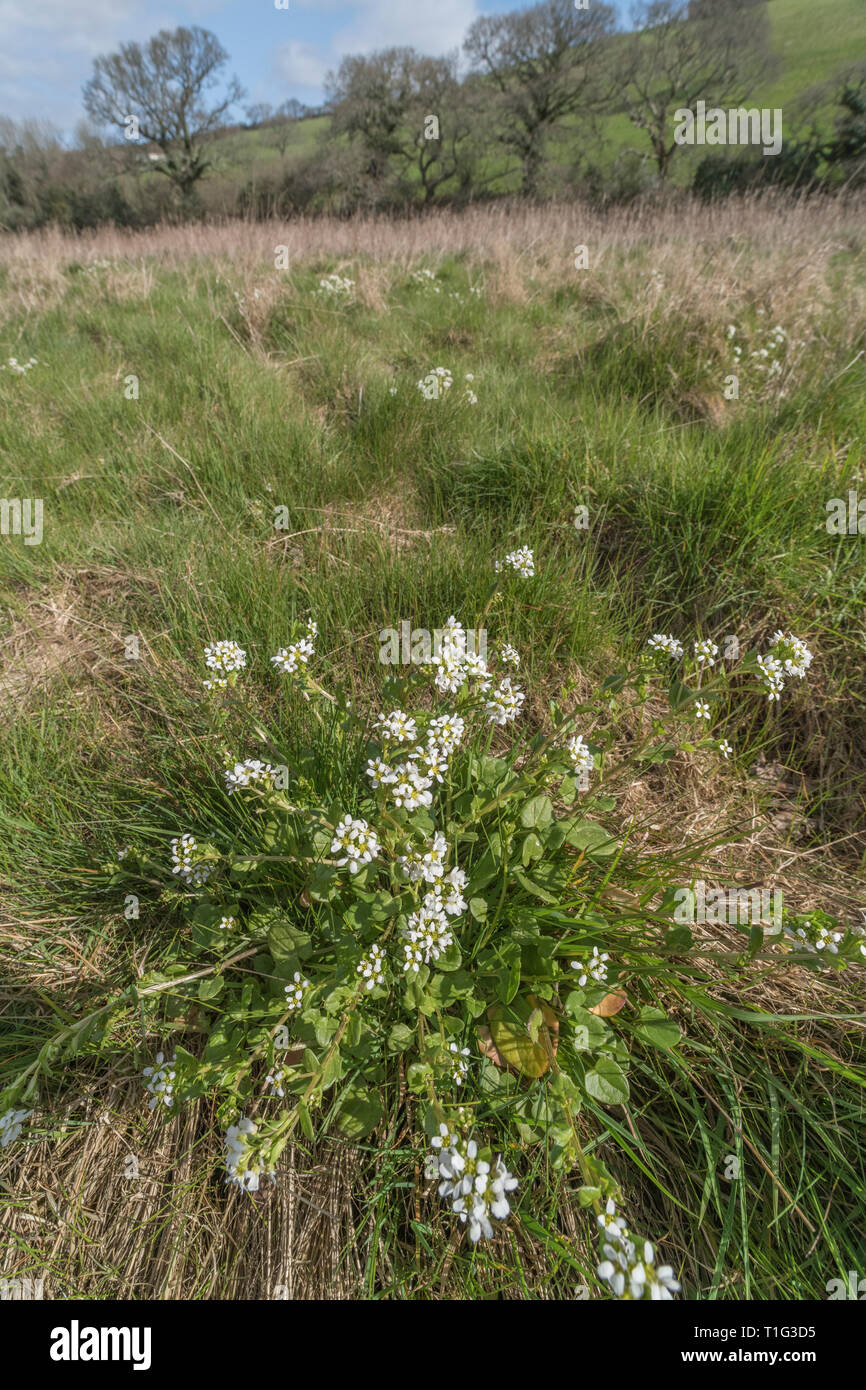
[(413, 957), (663, 642), (521, 560), (160, 1084), (725, 748), (11, 1124), (429, 930), (792, 652), (397, 727), (582, 759), (450, 893), (289, 660), (185, 856), (706, 652), (428, 862), (372, 967), (772, 675), (509, 654), (411, 788), (250, 773), (828, 940), (459, 1066), (335, 287), (274, 1082), (504, 704), (434, 385), (594, 968), (226, 923), (476, 1189), (628, 1271), (225, 657), (245, 1169), (356, 841), (295, 991), (122, 853), (447, 731), (702, 709), (379, 773)]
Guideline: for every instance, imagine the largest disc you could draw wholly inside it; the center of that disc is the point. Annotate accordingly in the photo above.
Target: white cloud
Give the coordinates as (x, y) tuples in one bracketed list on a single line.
[(433, 26), (300, 64)]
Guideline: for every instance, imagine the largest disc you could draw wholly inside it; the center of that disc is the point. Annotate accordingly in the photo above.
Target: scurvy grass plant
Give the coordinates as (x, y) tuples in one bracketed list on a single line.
[(452, 915)]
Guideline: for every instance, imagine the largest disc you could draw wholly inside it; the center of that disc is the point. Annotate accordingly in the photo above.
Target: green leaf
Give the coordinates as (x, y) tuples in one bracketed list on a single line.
[(306, 1122), (288, 942), (592, 839), (654, 1027), (478, 909), (532, 849), (211, 988), (606, 1083), (400, 1038), (537, 812)]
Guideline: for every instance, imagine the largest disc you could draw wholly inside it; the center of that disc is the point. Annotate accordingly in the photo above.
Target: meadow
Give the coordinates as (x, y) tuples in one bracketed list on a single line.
[(224, 449)]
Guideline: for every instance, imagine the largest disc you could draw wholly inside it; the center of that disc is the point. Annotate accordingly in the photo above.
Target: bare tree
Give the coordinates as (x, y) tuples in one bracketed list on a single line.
[(683, 50), (164, 86), (546, 63), (259, 113)]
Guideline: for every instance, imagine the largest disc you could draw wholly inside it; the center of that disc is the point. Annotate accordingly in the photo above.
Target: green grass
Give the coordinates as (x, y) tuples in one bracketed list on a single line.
[(706, 519)]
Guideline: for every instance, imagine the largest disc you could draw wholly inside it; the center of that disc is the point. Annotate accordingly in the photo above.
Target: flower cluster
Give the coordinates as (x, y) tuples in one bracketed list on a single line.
[(505, 702), (521, 560), (372, 967), (787, 656), (816, 938), (335, 287), (664, 642), (434, 385), (476, 1188), (11, 1124), (225, 659), (427, 932), (631, 1274), (410, 781), (186, 861), (427, 279), (706, 652), (294, 991), (581, 758), (18, 368), (289, 660), (245, 1169), (250, 773), (356, 842), (160, 1083), (455, 662)]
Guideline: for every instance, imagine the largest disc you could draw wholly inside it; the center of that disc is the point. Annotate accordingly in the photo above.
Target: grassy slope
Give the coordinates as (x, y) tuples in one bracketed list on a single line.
[(812, 46), (603, 388)]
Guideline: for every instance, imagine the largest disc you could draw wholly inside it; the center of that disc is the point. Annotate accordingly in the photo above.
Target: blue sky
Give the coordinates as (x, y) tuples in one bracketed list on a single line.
[(47, 47)]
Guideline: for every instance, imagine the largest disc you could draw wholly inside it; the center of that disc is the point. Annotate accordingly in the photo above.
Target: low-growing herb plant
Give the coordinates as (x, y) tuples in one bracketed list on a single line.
[(439, 906)]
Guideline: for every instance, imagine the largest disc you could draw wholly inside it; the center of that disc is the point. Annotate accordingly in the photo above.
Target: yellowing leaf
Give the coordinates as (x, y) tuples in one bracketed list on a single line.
[(514, 1046)]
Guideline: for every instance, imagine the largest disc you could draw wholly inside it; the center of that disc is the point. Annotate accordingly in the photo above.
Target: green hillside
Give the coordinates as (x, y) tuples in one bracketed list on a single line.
[(812, 41)]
